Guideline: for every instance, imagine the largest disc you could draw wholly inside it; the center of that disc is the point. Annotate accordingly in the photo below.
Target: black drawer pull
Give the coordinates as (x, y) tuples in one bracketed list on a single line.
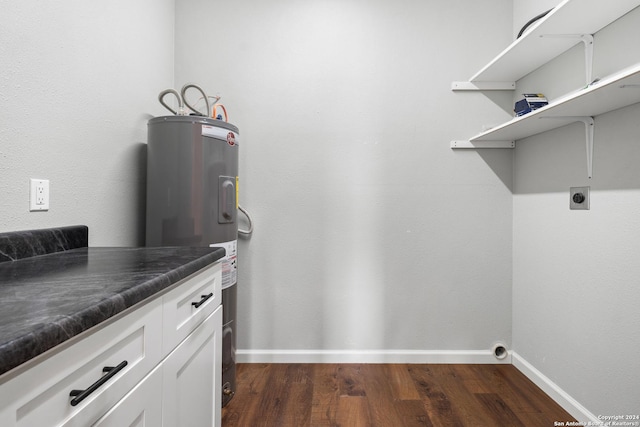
[(80, 395), (202, 301)]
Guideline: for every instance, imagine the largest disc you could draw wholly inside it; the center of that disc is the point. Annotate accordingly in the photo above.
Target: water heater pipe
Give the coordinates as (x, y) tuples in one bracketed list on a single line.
[(250, 230)]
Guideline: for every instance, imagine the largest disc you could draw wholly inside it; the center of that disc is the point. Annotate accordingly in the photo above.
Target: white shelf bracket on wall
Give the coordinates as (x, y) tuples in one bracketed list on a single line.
[(589, 125), (587, 40), (478, 86), (483, 144)]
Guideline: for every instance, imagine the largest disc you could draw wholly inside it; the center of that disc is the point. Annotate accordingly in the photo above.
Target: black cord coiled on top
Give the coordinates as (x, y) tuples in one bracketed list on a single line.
[(532, 20)]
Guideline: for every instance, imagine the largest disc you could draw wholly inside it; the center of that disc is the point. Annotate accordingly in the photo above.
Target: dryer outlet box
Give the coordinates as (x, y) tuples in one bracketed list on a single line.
[(579, 198)]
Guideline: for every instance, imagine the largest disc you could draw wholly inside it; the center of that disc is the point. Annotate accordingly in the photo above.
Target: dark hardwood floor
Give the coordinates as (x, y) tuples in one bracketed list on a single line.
[(381, 395)]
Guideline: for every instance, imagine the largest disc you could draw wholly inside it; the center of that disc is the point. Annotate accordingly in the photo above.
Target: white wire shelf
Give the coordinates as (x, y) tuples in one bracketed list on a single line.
[(611, 93), (540, 43)]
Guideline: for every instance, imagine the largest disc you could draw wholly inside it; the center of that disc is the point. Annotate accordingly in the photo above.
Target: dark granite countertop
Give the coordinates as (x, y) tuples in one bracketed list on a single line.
[(47, 299)]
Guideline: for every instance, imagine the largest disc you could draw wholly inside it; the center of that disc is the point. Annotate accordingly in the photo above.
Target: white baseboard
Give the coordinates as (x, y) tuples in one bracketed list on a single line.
[(370, 356), (561, 397)]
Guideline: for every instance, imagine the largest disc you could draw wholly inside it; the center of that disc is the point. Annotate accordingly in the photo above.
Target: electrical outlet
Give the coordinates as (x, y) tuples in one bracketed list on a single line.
[(39, 195), (579, 198)]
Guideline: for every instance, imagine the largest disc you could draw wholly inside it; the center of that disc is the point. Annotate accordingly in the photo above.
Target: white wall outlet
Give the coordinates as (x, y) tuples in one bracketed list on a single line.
[(579, 198), (39, 195)]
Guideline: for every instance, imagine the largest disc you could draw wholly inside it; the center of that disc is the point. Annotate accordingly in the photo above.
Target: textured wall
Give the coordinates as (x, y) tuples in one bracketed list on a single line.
[(78, 82), (575, 286), (371, 233)]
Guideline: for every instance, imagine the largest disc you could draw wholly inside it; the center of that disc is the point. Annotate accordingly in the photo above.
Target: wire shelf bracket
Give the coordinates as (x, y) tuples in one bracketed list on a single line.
[(587, 40), (482, 86), (589, 126), (482, 144)]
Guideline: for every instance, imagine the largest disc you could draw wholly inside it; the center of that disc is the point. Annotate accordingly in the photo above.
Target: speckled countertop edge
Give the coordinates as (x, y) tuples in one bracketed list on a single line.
[(143, 279)]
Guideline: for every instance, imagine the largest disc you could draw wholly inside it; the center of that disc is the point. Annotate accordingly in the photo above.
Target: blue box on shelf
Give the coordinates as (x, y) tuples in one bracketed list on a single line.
[(531, 101)]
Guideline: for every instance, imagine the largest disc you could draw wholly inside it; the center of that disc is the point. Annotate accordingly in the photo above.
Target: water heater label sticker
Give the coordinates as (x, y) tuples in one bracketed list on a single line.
[(229, 262), (220, 133)]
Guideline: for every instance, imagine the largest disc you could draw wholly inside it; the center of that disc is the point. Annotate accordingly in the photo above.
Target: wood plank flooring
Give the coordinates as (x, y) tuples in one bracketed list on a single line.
[(393, 395)]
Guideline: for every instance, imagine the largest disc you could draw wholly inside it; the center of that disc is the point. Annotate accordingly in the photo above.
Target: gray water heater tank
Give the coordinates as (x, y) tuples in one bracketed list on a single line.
[(192, 176)]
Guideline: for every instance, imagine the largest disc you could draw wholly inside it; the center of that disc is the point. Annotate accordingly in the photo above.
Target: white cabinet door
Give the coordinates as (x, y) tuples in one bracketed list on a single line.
[(192, 378), (140, 407)]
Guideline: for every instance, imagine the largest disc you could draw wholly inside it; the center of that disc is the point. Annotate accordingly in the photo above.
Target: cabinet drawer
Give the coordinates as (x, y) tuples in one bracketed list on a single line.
[(186, 306), (141, 407), (41, 395)]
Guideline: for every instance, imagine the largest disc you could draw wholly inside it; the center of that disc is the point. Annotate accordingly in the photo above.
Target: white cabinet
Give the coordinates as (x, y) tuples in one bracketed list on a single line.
[(141, 407), (40, 396), (186, 306), (191, 383), (130, 370)]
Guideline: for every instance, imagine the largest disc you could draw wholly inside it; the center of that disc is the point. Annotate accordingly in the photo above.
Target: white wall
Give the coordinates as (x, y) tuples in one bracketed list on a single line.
[(575, 273), (371, 233), (78, 82)]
